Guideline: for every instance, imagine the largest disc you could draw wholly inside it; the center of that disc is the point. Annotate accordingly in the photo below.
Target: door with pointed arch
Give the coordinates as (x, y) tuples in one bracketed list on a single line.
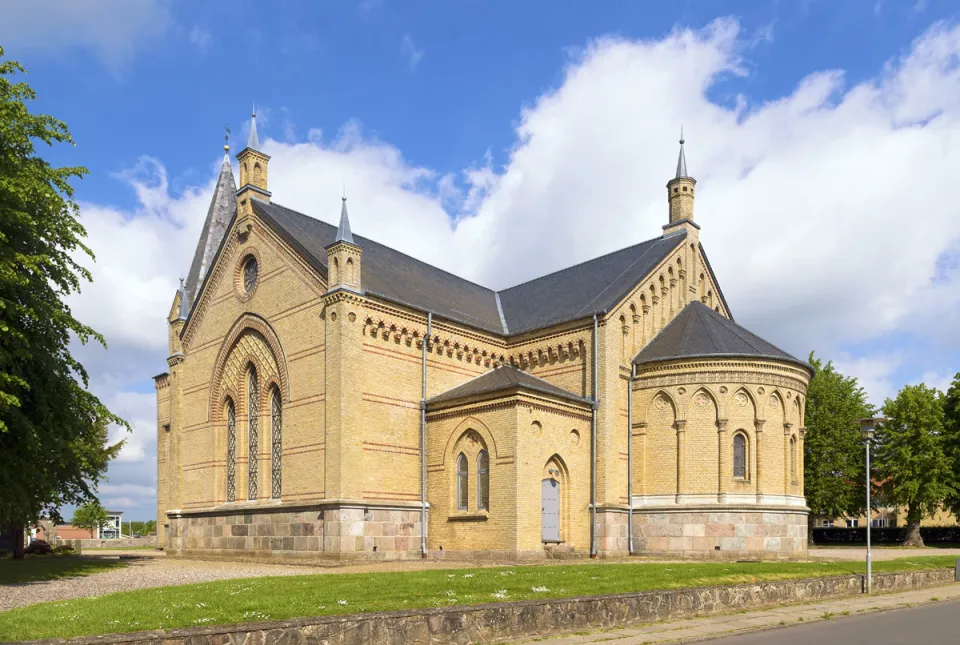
[(550, 510)]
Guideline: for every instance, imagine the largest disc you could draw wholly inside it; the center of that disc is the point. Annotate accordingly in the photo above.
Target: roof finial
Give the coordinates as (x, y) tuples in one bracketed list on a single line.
[(226, 138), (253, 141), (184, 302), (343, 231), (682, 160)]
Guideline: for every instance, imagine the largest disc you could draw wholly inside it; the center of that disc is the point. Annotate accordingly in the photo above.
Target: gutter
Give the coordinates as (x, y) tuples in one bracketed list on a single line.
[(593, 447), (630, 460), (423, 440)]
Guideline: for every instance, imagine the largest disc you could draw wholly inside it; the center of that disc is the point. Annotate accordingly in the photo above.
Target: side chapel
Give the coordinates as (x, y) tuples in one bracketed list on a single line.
[(329, 397)]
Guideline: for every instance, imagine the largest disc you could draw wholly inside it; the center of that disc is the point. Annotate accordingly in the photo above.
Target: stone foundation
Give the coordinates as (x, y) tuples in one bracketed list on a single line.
[(768, 533), (612, 532), (301, 532)]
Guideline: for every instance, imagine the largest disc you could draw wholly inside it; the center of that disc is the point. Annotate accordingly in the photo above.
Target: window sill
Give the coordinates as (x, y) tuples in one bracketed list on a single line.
[(469, 516)]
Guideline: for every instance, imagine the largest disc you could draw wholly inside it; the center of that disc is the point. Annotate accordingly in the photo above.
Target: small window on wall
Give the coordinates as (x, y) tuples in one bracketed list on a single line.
[(462, 483), (853, 524), (483, 480), (739, 456), (826, 524)]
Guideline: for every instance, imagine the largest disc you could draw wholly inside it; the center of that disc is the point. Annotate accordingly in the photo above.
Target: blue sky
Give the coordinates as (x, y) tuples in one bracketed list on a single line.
[(505, 140)]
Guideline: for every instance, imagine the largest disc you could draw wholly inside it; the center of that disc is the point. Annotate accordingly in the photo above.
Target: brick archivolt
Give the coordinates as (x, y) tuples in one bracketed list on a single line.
[(250, 341)]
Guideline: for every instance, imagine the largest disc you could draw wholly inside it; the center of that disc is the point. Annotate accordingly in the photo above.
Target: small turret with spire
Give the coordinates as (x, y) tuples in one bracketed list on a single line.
[(253, 170), (344, 256), (680, 191)]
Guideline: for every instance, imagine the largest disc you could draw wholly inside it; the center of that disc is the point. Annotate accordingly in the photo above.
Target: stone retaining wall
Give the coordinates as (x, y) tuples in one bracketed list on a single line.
[(530, 618)]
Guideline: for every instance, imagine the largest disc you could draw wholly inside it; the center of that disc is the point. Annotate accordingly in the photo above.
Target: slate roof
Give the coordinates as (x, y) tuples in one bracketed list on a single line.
[(571, 294), (700, 332), (389, 273), (223, 207), (582, 290), (502, 378)]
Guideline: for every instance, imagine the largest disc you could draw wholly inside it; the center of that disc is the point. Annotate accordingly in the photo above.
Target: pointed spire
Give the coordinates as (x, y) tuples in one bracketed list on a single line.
[(682, 160), (223, 207), (343, 232), (184, 302), (253, 141)]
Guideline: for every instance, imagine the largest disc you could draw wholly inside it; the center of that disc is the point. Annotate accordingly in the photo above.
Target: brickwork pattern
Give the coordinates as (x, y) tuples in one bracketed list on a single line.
[(349, 368)]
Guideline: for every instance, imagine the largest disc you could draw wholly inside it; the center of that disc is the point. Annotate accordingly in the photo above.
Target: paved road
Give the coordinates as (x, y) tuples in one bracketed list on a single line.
[(933, 623)]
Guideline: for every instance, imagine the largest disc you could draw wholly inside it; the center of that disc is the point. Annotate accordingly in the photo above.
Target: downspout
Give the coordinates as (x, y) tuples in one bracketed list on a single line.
[(630, 460), (593, 448), (423, 441)]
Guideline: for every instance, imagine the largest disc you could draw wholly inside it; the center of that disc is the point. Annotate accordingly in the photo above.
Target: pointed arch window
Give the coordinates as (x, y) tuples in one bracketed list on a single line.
[(793, 460), (231, 451), (253, 435), (276, 471), (483, 480), (463, 488), (739, 456)]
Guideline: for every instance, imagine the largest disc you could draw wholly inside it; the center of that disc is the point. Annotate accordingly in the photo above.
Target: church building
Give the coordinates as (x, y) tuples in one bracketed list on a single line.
[(330, 398)]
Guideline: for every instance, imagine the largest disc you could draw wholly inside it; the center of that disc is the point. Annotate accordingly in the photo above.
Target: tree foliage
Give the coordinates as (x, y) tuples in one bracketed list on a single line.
[(951, 434), (834, 455), (53, 432), (912, 460), (90, 516)]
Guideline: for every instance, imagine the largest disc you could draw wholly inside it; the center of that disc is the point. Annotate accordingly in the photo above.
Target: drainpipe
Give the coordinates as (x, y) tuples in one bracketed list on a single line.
[(593, 448), (630, 460), (423, 441)]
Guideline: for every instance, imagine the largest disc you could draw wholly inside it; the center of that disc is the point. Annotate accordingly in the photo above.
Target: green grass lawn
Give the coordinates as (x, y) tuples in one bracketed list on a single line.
[(257, 599), (32, 569)]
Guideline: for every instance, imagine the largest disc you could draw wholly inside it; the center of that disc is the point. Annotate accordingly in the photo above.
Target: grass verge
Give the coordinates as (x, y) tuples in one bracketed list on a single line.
[(274, 598), (35, 569)]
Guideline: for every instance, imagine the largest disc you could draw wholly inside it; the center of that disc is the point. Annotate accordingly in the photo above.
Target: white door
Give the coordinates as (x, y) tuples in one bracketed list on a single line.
[(550, 511)]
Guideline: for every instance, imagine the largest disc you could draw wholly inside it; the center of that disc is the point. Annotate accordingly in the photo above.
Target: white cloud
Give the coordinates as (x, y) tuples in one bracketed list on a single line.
[(111, 29), (828, 214), (201, 38), (408, 49)]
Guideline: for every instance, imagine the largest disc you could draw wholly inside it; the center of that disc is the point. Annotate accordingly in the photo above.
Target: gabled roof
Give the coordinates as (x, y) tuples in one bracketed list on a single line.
[(700, 332), (223, 206), (571, 294), (389, 273), (582, 290), (505, 377)]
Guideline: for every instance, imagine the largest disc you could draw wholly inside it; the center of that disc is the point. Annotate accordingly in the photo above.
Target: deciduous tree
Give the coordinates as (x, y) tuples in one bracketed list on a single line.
[(90, 516), (53, 431), (951, 433), (912, 456), (834, 460)]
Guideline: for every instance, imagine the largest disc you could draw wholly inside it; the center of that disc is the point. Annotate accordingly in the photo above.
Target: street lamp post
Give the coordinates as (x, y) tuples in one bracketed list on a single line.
[(867, 427)]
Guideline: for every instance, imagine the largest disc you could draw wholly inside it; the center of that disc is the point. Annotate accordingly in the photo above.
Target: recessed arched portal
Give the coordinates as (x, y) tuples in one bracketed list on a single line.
[(552, 507)]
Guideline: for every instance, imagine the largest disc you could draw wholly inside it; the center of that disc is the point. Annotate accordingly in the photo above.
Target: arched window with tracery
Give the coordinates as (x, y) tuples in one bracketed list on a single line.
[(276, 448), (463, 483), (253, 434), (231, 451), (740, 456), (483, 480)]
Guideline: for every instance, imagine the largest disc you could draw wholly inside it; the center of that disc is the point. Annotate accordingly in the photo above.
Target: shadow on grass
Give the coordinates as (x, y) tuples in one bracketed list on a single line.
[(43, 568)]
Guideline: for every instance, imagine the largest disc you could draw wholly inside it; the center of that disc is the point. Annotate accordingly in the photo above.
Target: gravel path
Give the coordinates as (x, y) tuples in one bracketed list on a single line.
[(879, 553), (152, 569)]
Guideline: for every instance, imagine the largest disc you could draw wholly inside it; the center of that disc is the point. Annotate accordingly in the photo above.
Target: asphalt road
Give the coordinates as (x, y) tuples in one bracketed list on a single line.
[(934, 623)]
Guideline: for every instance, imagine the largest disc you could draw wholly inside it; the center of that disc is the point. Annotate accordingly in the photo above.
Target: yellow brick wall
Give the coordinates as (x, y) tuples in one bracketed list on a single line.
[(349, 368), (697, 396)]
